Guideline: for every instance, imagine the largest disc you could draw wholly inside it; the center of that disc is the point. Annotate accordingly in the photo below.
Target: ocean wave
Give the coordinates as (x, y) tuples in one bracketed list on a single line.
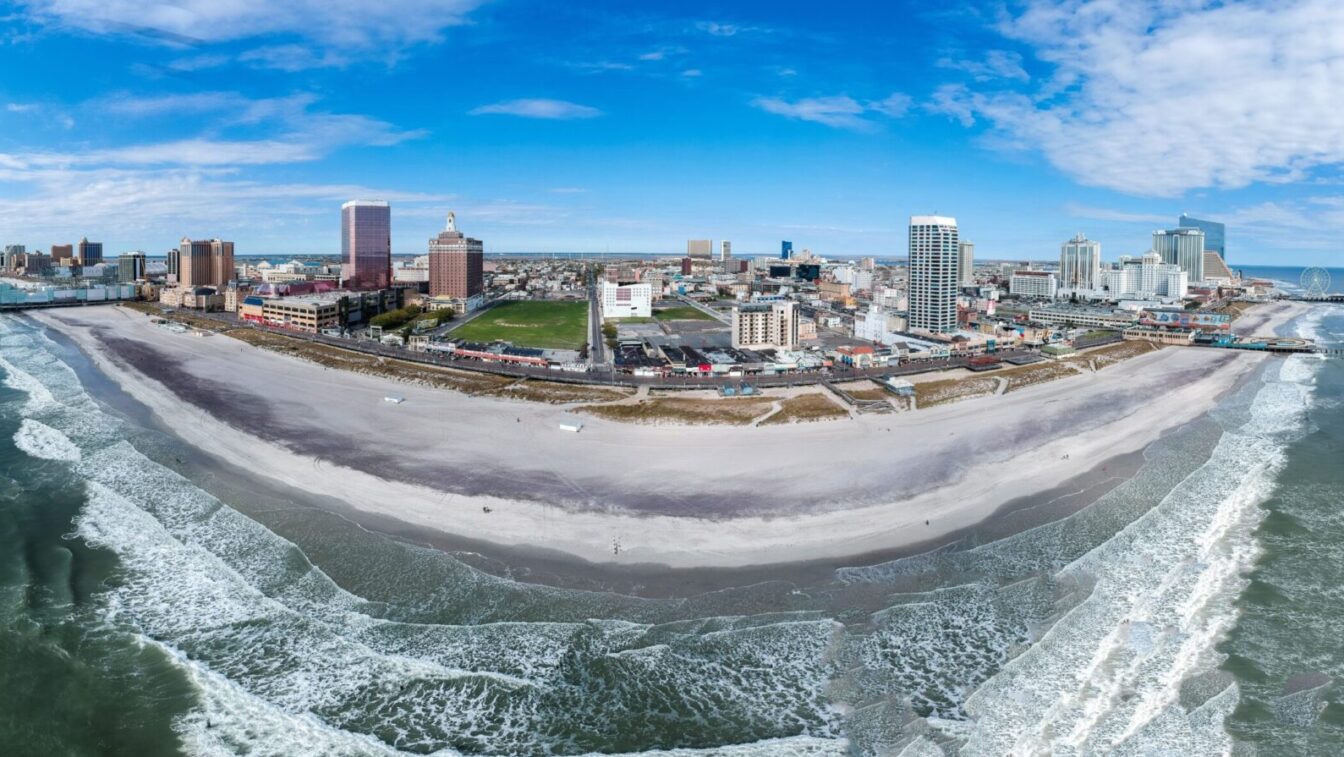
[(1112, 674), (42, 441)]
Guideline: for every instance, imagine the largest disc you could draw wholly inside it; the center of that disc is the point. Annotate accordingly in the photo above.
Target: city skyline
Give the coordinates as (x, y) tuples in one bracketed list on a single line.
[(636, 131)]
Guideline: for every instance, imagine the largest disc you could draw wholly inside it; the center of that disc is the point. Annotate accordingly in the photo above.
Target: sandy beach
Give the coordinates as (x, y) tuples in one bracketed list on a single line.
[(501, 471)]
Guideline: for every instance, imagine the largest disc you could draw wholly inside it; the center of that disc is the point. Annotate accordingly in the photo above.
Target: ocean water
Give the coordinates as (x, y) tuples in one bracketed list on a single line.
[(151, 604)]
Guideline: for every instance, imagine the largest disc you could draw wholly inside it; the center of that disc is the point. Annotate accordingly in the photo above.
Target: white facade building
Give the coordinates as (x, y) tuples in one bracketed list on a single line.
[(766, 326), (627, 300), (1041, 285), (1146, 277), (1080, 264), (933, 266), (966, 264), (878, 325)]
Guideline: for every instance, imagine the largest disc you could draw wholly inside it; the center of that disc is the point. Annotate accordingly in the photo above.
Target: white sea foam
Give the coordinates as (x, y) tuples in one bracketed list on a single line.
[(1108, 675), (42, 441), (287, 662)]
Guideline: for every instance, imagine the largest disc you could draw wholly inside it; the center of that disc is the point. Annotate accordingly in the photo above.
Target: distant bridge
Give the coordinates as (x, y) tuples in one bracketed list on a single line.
[(1336, 299)]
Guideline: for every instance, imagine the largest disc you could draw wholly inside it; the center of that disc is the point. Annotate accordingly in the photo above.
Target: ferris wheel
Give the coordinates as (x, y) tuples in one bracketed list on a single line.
[(1315, 282)]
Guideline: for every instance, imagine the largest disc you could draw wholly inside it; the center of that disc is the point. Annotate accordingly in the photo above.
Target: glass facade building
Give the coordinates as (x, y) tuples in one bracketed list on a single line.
[(1214, 233), (366, 244)]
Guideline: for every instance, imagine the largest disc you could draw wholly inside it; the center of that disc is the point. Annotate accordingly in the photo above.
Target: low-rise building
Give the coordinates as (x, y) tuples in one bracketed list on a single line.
[(1040, 285), (626, 300)]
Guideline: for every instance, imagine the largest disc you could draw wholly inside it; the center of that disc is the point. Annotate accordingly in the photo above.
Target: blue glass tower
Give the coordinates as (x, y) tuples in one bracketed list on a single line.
[(785, 250), (1213, 233)]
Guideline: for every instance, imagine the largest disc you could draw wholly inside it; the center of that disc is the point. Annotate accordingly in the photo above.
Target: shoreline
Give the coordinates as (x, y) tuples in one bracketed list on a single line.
[(604, 532)]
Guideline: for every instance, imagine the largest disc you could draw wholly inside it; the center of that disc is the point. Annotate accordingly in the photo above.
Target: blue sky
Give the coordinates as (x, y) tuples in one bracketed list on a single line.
[(634, 126)]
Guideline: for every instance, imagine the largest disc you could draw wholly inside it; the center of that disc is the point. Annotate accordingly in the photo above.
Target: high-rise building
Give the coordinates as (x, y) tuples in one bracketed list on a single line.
[(966, 264), (765, 326), (1080, 264), (1182, 247), (62, 254), (14, 254), (687, 265), (366, 244), (725, 251), (785, 250), (89, 253), (1215, 234), (699, 248), (174, 265), (456, 263), (130, 267), (933, 273), (204, 263)]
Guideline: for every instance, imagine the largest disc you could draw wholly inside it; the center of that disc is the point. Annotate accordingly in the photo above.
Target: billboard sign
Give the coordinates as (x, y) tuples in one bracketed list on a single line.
[(1185, 319)]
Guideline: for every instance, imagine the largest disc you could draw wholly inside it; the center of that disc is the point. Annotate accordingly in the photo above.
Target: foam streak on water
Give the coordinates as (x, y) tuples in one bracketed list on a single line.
[(1129, 669), (287, 662)]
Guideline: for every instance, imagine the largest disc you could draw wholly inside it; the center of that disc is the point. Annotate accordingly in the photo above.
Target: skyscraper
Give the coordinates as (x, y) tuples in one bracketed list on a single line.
[(725, 251), (366, 244), (130, 267), (62, 254), (785, 250), (1214, 233), (89, 253), (966, 264), (933, 273), (699, 248), (204, 262), (174, 264), (1182, 247), (1080, 264), (456, 263)]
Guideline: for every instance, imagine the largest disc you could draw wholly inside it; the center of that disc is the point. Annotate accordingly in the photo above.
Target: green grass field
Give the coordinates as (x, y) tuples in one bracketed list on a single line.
[(681, 313), (552, 325)]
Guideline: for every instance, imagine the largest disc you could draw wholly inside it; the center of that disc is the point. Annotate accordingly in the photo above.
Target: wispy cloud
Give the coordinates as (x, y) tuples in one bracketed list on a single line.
[(20, 107), (839, 111), (1157, 98), (996, 64), (538, 108), (352, 26)]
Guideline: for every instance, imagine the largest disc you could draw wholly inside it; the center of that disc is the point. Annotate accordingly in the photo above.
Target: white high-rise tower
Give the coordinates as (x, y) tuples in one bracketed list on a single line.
[(934, 273), (1080, 264)]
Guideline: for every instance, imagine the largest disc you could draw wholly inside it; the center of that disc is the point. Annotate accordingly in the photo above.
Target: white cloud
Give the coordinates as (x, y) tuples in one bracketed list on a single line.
[(20, 107), (1155, 97), (692, 73), (655, 55), (997, 64), (839, 111), (538, 108), (340, 24), (717, 29), (292, 58), (140, 206)]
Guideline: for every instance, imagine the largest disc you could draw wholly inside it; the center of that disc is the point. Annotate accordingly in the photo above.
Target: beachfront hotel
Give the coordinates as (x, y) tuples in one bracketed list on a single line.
[(456, 263), (366, 244), (1080, 264), (1184, 248), (204, 262), (934, 253)]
